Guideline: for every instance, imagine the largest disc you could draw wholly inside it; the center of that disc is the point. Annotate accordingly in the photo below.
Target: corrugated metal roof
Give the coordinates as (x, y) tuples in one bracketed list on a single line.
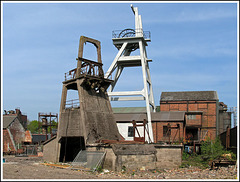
[(7, 120), (28, 136), (129, 109), (157, 116), (38, 137), (168, 116), (129, 117), (189, 95)]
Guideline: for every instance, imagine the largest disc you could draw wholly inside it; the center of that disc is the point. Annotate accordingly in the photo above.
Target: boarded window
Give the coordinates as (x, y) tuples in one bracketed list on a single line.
[(191, 116), (166, 132), (130, 131)]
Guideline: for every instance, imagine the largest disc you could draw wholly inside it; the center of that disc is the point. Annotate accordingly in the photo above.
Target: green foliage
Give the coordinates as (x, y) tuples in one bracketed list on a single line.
[(210, 150), (192, 160), (124, 168), (99, 169), (33, 126)]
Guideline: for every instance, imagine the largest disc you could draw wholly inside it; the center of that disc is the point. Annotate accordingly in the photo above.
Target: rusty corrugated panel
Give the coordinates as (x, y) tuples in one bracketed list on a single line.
[(28, 136)]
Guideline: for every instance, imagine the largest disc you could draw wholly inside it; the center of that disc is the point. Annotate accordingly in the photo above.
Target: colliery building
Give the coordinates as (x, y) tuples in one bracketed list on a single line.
[(184, 117), (14, 132)]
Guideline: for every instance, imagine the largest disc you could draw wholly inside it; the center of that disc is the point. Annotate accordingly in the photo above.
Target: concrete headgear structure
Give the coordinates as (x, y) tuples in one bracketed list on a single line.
[(89, 118)]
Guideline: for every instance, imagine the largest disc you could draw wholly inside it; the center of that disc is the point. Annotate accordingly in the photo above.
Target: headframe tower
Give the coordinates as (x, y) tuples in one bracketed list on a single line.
[(127, 41)]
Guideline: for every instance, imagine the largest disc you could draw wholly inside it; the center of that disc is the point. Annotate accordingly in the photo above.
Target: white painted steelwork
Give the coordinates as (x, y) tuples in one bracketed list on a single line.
[(127, 44)]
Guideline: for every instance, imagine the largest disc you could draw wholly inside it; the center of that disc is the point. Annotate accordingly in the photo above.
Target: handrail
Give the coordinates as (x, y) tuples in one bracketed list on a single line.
[(131, 33), (74, 103)]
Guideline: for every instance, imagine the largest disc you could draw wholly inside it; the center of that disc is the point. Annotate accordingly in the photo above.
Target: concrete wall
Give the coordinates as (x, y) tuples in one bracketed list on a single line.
[(94, 119), (71, 124), (224, 121), (50, 151), (167, 156)]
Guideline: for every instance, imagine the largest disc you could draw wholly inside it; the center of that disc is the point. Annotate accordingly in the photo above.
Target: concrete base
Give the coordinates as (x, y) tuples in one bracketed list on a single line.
[(140, 156), (129, 156)]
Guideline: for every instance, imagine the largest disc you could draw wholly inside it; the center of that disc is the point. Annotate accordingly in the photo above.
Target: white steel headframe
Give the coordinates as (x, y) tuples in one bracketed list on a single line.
[(123, 59)]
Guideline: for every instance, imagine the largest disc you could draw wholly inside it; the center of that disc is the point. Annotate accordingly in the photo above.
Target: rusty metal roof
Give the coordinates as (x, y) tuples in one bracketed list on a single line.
[(157, 116), (7, 120), (189, 95), (28, 136)]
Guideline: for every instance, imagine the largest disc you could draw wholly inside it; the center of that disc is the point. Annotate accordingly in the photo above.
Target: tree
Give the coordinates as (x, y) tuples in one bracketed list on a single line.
[(33, 126)]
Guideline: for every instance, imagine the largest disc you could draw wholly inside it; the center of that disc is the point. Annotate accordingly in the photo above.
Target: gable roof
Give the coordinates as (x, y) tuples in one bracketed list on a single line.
[(189, 95), (7, 120)]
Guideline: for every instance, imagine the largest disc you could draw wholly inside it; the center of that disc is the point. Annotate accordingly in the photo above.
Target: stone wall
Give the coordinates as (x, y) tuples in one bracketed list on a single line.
[(168, 156), (135, 162)]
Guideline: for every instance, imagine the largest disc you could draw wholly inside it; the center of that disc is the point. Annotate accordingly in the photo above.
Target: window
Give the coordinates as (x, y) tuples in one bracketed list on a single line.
[(191, 117), (130, 131), (166, 132)]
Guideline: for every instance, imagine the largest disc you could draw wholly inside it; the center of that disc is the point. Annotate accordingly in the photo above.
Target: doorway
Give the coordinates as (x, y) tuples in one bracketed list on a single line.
[(70, 147)]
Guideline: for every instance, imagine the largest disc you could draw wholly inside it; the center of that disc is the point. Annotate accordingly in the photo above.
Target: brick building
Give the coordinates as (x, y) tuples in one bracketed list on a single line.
[(14, 134), (159, 121), (182, 117), (22, 117), (202, 112)]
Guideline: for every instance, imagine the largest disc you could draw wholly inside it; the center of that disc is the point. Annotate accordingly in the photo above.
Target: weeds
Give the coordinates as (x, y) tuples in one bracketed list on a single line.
[(210, 150), (99, 169)]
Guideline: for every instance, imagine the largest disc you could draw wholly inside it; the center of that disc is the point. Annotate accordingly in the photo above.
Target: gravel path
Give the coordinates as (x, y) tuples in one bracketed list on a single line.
[(32, 168)]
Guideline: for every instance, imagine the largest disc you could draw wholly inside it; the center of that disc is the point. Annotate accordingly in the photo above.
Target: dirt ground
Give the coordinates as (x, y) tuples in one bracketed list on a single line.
[(34, 168)]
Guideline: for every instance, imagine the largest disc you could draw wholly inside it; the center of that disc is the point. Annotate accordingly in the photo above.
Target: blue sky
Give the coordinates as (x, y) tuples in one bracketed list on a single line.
[(193, 47)]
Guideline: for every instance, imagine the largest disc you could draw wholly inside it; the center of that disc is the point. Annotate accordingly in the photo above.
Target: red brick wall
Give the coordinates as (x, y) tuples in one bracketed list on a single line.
[(158, 131), (194, 122), (7, 142), (208, 108)]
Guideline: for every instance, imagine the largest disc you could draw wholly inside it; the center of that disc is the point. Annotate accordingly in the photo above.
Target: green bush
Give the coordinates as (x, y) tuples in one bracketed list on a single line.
[(210, 150)]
